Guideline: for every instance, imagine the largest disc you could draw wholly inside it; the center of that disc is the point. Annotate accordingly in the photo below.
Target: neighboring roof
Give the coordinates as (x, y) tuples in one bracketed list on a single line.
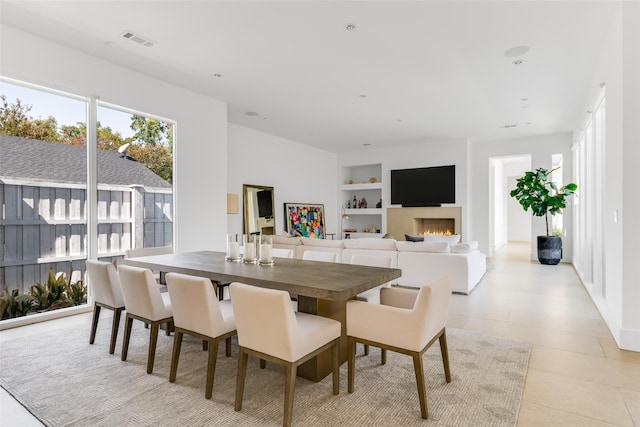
[(44, 161)]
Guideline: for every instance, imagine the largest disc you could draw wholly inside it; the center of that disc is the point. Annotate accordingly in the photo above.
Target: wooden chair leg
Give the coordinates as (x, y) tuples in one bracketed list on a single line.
[(383, 356), (114, 329), (263, 363), (422, 395), (445, 356), (366, 349), (175, 356), (205, 345), (351, 364), (168, 331), (289, 388), (127, 336), (211, 368), (335, 356), (94, 323), (153, 339), (227, 345), (242, 373)]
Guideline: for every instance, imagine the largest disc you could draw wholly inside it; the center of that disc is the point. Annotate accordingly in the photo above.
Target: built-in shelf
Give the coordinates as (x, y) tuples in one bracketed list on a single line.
[(362, 219), (363, 186), (367, 211)]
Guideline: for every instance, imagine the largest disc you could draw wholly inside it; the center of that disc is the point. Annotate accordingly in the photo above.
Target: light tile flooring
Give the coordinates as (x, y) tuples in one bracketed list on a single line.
[(577, 376)]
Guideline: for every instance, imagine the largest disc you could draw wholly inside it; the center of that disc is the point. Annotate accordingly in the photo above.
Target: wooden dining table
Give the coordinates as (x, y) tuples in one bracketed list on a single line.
[(322, 288)]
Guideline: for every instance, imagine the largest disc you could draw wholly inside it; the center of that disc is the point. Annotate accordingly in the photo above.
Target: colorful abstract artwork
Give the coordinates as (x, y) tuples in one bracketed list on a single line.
[(304, 219)]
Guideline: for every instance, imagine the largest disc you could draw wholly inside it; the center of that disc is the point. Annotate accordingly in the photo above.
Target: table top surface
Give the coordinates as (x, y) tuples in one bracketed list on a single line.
[(322, 280)]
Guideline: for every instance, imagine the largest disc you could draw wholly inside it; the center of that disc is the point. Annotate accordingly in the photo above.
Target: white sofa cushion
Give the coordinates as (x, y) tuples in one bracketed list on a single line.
[(465, 248), (286, 240), (438, 247), (322, 243), (370, 243), (451, 240)]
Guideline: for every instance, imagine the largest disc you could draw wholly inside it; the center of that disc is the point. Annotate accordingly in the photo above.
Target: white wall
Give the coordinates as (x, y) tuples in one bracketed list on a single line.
[(297, 172), (541, 148), (414, 156), (619, 69), (200, 147)]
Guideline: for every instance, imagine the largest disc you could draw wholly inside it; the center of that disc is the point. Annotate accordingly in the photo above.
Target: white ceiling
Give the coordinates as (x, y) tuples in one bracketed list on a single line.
[(430, 70)]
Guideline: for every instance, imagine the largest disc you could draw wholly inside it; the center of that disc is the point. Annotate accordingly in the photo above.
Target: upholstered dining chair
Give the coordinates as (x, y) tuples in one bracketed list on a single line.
[(142, 252), (269, 329), (105, 287), (406, 321), (372, 295), (320, 256), (282, 253), (143, 301), (198, 312)]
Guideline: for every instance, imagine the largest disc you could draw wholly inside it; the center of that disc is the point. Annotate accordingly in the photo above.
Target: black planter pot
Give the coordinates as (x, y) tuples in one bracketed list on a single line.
[(549, 249)]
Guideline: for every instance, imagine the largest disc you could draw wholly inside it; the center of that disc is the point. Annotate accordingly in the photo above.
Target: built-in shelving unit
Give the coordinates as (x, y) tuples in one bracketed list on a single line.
[(356, 181)]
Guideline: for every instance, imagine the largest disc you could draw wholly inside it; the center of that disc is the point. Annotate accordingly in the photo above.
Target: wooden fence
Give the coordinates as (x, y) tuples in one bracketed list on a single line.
[(44, 226)]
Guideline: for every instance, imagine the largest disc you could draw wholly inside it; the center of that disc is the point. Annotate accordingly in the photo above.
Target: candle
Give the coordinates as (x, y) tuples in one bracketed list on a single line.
[(234, 249), (265, 252), (250, 250)]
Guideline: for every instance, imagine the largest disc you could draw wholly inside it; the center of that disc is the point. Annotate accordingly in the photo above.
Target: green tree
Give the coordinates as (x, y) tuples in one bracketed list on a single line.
[(157, 158), (107, 138), (15, 121), (151, 131)]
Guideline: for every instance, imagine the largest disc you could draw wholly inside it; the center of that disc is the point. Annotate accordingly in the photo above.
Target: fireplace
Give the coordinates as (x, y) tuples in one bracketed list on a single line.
[(401, 221), (445, 226)]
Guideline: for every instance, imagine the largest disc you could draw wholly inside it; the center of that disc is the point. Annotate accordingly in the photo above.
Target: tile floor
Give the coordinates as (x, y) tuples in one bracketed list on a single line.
[(577, 376)]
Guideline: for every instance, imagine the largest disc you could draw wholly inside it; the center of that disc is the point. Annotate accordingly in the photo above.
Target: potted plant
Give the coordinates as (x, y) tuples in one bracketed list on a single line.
[(535, 191)]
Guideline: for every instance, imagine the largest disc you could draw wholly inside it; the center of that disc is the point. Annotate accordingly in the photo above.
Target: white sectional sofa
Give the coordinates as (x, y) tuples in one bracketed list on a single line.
[(420, 262)]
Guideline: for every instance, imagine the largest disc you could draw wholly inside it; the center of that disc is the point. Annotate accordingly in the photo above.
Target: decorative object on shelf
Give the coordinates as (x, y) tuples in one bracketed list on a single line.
[(372, 229), (250, 249), (373, 179), (355, 202), (266, 250), (535, 190), (348, 204), (363, 203), (379, 204), (350, 181), (305, 219), (233, 248)]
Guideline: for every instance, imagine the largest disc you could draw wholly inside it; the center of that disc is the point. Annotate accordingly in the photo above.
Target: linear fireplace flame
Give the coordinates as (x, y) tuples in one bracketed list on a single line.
[(441, 226)]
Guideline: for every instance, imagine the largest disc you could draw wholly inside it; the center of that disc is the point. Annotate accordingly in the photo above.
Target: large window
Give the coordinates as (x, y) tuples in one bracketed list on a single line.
[(589, 172), (65, 200)]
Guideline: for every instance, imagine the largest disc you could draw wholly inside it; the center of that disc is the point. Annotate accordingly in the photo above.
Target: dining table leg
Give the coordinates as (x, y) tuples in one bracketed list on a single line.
[(320, 366)]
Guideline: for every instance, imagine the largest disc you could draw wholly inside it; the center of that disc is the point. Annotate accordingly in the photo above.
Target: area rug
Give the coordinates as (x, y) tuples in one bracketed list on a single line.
[(64, 381)]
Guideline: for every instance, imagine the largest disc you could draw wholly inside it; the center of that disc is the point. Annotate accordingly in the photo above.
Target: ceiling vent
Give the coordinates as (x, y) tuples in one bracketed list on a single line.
[(137, 39)]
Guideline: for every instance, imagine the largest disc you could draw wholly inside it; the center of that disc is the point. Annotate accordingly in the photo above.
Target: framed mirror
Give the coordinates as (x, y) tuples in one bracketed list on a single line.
[(258, 203)]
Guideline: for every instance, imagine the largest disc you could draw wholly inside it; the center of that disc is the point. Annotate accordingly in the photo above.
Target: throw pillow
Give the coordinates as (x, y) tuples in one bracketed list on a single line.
[(410, 238)]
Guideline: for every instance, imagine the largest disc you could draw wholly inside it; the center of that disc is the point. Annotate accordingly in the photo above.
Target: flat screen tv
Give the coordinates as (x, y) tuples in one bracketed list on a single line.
[(420, 187), (265, 207)]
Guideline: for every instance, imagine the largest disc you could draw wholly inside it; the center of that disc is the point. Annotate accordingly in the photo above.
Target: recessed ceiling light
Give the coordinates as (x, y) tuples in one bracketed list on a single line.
[(528, 123), (251, 114), (366, 144), (518, 62), (399, 120), (507, 126), (217, 75), (350, 27), (516, 51), (524, 99), (362, 96)]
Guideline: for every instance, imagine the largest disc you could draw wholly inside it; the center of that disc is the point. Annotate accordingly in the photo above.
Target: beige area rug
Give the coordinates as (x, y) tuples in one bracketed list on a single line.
[(64, 381)]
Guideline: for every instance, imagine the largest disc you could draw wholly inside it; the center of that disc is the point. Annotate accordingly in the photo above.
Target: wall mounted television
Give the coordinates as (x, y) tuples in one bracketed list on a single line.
[(420, 187), (265, 207)]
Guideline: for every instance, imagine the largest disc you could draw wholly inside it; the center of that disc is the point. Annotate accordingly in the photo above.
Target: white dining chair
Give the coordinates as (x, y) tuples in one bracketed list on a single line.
[(105, 287), (282, 253), (198, 312), (144, 302), (269, 329), (320, 256), (406, 321)]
